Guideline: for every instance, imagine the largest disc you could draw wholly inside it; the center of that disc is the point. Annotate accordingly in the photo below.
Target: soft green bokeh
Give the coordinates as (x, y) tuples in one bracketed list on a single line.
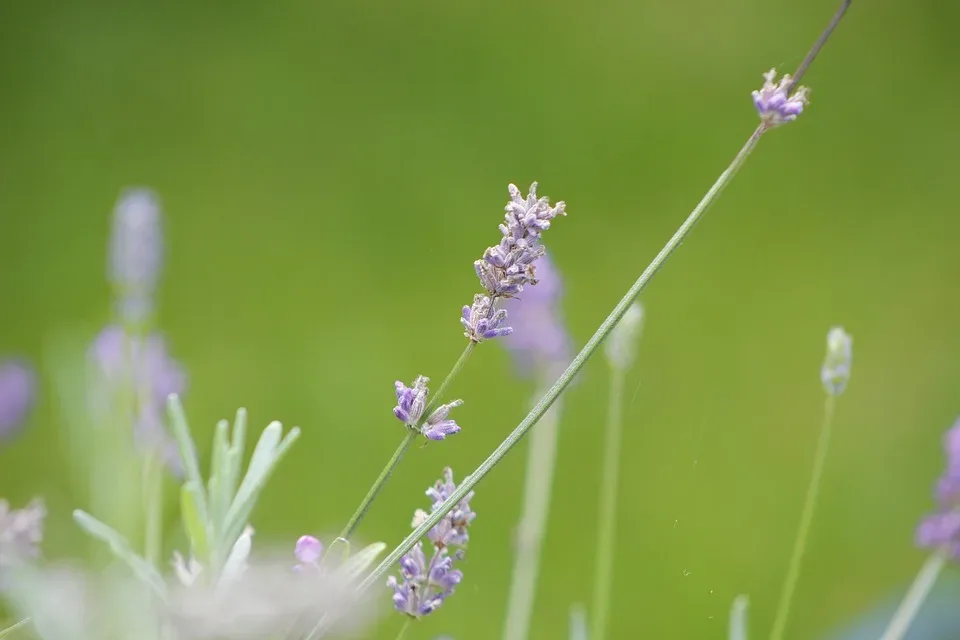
[(330, 170)]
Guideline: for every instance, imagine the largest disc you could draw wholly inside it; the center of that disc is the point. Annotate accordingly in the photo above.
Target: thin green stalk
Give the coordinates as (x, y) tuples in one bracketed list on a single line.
[(541, 461), (153, 504), (403, 629), (5, 632), (607, 519), (572, 370), (917, 593), (378, 485), (806, 518), (408, 439)]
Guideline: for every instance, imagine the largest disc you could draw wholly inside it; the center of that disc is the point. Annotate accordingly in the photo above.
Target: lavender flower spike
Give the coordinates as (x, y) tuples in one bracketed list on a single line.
[(835, 372), (17, 385), (411, 403), (482, 322), (942, 529), (424, 586), (136, 252), (774, 105)]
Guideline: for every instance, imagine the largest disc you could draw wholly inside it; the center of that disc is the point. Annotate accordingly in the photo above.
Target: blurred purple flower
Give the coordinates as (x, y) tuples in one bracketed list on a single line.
[(17, 392), (136, 253), (424, 586), (539, 343), (308, 552), (21, 532), (942, 529), (142, 366)]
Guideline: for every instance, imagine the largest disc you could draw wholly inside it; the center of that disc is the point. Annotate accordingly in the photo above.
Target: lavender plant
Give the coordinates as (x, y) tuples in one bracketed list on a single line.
[(216, 577)]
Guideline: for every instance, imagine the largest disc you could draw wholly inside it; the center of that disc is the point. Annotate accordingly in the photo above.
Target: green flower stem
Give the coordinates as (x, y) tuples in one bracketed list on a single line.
[(918, 592), (567, 376), (607, 519), (408, 439), (5, 632), (541, 461), (403, 629), (806, 517), (153, 504), (438, 395)]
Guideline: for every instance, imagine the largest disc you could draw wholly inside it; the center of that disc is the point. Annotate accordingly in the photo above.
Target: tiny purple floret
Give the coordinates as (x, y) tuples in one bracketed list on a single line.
[(17, 391), (773, 104), (942, 528)]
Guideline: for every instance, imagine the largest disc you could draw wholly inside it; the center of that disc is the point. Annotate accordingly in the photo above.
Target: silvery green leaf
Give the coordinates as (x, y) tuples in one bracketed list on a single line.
[(359, 562), (188, 452), (193, 523), (217, 488), (17, 625), (269, 450), (122, 550), (738, 618), (337, 552), (236, 562)]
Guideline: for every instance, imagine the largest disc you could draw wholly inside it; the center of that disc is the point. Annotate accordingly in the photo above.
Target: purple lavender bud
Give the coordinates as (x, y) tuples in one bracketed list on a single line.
[(21, 532), (942, 529), (136, 252), (17, 389), (127, 363), (539, 343), (424, 586), (308, 551), (835, 372), (774, 105), (411, 401), (438, 426), (482, 322)]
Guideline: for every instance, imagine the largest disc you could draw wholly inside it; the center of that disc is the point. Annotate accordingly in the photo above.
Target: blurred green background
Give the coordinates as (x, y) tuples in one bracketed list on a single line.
[(330, 170)]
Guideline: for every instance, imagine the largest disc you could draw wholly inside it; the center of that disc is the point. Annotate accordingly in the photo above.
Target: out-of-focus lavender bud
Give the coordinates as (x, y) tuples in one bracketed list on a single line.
[(308, 552), (21, 532), (126, 363), (774, 105), (17, 392), (835, 372), (136, 253), (539, 342), (621, 346)]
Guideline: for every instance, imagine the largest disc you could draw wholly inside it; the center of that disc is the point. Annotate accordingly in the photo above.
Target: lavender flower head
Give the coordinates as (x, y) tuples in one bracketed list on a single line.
[(17, 388), (774, 105), (136, 253), (21, 532), (508, 266), (942, 529), (425, 585), (835, 372), (124, 361), (539, 343), (411, 404)]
